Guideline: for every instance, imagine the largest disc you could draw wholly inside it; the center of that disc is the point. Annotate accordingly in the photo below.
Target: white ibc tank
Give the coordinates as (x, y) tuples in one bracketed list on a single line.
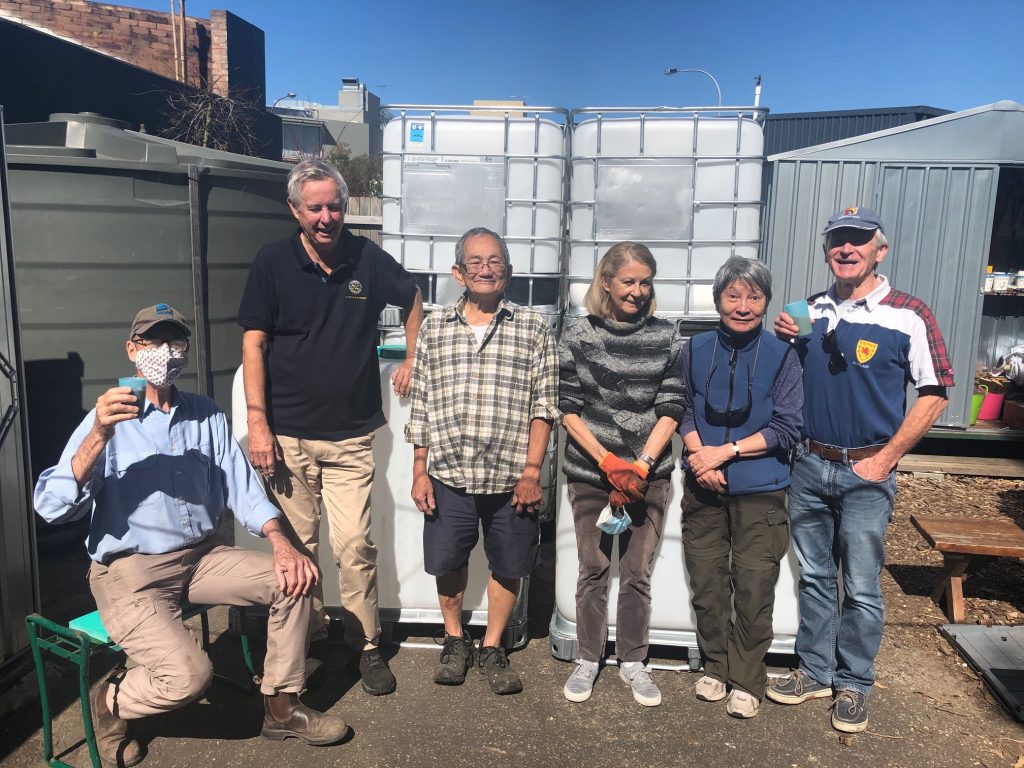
[(406, 593), (686, 185), (446, 173), (672, 619)]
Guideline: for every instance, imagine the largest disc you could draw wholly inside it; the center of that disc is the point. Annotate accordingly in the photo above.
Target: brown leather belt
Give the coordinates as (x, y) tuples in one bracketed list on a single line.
[(832, 453)]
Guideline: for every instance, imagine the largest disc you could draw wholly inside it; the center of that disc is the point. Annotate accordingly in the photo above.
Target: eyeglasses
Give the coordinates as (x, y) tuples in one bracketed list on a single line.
[(175, 345), (731, 417), (473, 266), (836, 358)]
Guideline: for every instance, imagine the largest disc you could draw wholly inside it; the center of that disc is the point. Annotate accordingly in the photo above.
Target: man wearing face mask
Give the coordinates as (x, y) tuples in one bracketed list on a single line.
[(156, 482)]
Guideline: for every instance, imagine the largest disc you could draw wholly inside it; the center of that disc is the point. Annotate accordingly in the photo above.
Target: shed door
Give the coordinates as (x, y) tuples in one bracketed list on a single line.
[(939, 221), (18, 592)]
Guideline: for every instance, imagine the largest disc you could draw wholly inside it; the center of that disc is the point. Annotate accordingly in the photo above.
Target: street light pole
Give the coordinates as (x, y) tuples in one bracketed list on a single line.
[(289, 95), (677, 70)]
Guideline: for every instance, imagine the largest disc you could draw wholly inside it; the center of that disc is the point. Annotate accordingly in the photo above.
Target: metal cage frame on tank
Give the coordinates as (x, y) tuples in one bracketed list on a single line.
[(533, 225), (590, 155)]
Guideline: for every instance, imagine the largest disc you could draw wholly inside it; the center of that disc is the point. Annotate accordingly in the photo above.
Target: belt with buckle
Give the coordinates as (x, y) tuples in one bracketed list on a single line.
[(834, 453)]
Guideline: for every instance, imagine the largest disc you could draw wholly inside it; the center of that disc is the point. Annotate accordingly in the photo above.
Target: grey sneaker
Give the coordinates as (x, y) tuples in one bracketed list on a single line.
[(580, 684), (455, 659), (709, 689), (849, 712), (492, 663), (796, 688), (639, 678), (741, 704)]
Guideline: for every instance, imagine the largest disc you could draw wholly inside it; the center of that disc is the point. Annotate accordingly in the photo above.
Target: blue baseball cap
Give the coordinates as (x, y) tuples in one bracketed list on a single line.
[(858, 218)]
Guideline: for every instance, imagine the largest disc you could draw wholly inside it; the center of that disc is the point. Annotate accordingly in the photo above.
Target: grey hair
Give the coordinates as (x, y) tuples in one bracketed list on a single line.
[(750, 271), (314, 169), (880, 238), (460, 247), (596, 301)]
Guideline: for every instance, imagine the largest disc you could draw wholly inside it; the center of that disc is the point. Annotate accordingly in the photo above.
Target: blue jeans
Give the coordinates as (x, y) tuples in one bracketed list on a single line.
[(838, 521)]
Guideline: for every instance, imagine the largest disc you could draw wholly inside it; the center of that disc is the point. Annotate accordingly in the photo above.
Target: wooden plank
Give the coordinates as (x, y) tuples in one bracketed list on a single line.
[(994, 537), (980, 466)]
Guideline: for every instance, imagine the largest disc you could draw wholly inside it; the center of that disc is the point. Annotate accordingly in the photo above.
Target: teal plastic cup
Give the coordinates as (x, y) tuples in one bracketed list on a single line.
[(138, 385), (801, 314)]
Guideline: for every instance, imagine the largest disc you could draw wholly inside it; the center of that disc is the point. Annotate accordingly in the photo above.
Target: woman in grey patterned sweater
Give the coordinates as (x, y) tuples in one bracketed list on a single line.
[(621, 397)]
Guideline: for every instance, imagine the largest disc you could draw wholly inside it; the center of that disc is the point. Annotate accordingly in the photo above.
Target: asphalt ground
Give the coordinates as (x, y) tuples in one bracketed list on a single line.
[(927, 710)]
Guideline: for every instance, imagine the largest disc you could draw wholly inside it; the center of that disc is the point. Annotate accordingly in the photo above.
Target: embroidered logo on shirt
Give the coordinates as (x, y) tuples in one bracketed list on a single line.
[(355, 287), (865, 350)]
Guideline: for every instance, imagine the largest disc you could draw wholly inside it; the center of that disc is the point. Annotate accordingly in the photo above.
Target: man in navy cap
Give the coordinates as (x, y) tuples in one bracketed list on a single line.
[(867, 341)]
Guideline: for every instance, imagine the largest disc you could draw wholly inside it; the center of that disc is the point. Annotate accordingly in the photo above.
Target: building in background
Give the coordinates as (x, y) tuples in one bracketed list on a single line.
[(69, 56), (788, 131), (309, 129)]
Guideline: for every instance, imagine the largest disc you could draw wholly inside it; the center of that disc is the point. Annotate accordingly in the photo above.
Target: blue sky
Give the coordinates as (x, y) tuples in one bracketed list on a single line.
[(813, 55)]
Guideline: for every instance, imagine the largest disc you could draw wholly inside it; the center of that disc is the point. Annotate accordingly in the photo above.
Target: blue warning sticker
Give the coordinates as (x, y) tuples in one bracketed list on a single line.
[(416, 132)]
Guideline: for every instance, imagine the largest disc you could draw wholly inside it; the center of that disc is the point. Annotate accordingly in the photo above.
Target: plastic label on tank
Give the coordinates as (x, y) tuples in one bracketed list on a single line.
[(416, 133)]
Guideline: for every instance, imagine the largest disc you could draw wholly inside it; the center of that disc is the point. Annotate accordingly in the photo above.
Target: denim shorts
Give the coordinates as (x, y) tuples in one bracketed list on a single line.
[(511, 540)]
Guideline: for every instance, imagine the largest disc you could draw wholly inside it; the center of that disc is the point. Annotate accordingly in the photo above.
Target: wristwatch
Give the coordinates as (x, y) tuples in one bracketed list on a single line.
[(647, 459), (736, 448)]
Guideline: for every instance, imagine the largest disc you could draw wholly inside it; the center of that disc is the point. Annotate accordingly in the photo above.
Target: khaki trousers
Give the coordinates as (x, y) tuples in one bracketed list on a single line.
[(139, 599), (733, 547), (340, 474)]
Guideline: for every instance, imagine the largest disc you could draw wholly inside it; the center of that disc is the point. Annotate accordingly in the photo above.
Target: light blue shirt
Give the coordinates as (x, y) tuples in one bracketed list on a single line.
[(161, 484)]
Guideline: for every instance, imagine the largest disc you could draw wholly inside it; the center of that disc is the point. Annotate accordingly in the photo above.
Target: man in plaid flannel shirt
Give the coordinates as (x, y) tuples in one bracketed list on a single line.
[(867, 341), (484, 396)]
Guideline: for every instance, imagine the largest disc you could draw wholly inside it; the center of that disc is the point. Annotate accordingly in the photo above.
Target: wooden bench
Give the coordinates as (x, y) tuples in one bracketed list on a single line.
[(77, 642), (966, 544)]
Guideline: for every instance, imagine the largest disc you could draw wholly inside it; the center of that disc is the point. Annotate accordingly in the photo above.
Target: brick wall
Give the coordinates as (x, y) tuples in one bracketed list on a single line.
[(140, 37)]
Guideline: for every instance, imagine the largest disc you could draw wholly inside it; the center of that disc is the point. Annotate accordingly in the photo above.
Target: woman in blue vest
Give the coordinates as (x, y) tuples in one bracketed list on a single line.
[(621, 397), (743, 416)]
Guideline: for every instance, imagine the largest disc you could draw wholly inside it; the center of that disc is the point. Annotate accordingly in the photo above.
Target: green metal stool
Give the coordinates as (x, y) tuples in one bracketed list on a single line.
[(84, 637)]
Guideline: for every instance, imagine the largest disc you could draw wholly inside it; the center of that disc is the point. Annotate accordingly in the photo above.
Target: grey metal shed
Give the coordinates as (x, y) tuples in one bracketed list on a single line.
[(106, 221), (18, 583), (951, 193)]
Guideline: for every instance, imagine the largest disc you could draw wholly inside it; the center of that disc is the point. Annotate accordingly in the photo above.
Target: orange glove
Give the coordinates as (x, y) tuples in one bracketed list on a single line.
[(642, 469), (624, 477)]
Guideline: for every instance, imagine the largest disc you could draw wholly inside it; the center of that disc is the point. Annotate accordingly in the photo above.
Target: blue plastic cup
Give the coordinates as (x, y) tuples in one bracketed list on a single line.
[(800, 311), (138, 385)]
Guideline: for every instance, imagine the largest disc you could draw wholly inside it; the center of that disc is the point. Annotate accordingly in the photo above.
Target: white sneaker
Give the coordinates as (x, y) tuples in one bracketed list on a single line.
[(639, 678), (741, 704), (709, 689), (580, 684)]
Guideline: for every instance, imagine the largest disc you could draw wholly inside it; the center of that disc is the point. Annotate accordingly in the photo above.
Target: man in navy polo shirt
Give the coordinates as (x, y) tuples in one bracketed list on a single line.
[(312, 389), (868, 340)]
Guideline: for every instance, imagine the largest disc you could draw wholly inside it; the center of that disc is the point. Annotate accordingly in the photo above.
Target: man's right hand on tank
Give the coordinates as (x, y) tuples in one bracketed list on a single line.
[(264, 452)]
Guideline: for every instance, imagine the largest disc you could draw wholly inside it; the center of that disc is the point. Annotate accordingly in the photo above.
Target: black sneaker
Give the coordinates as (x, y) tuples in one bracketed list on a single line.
[(492, 664), (455, 659), (849, 712), (796, 688), (377, 677)]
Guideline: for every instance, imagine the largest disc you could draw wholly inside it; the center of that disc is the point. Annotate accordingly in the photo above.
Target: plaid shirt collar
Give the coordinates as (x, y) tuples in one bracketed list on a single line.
[(458, 310)]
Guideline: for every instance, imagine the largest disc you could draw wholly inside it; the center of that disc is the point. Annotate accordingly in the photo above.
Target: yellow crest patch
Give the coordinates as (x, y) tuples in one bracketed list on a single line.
[(865, 350)]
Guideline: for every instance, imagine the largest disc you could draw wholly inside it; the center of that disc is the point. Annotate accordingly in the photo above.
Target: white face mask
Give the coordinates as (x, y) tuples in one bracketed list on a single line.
[(160, 366)]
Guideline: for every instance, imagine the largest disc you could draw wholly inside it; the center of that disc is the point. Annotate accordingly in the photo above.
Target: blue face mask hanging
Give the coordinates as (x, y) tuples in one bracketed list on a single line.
[(614, 521)]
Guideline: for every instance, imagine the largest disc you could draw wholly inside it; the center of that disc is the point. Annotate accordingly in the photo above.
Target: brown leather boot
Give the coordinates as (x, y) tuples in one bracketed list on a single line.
[(301, 722), (115, 748)]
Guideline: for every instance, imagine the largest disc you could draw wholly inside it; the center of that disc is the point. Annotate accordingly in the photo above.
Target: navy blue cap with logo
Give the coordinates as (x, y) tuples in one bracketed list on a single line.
[(855, 217)]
